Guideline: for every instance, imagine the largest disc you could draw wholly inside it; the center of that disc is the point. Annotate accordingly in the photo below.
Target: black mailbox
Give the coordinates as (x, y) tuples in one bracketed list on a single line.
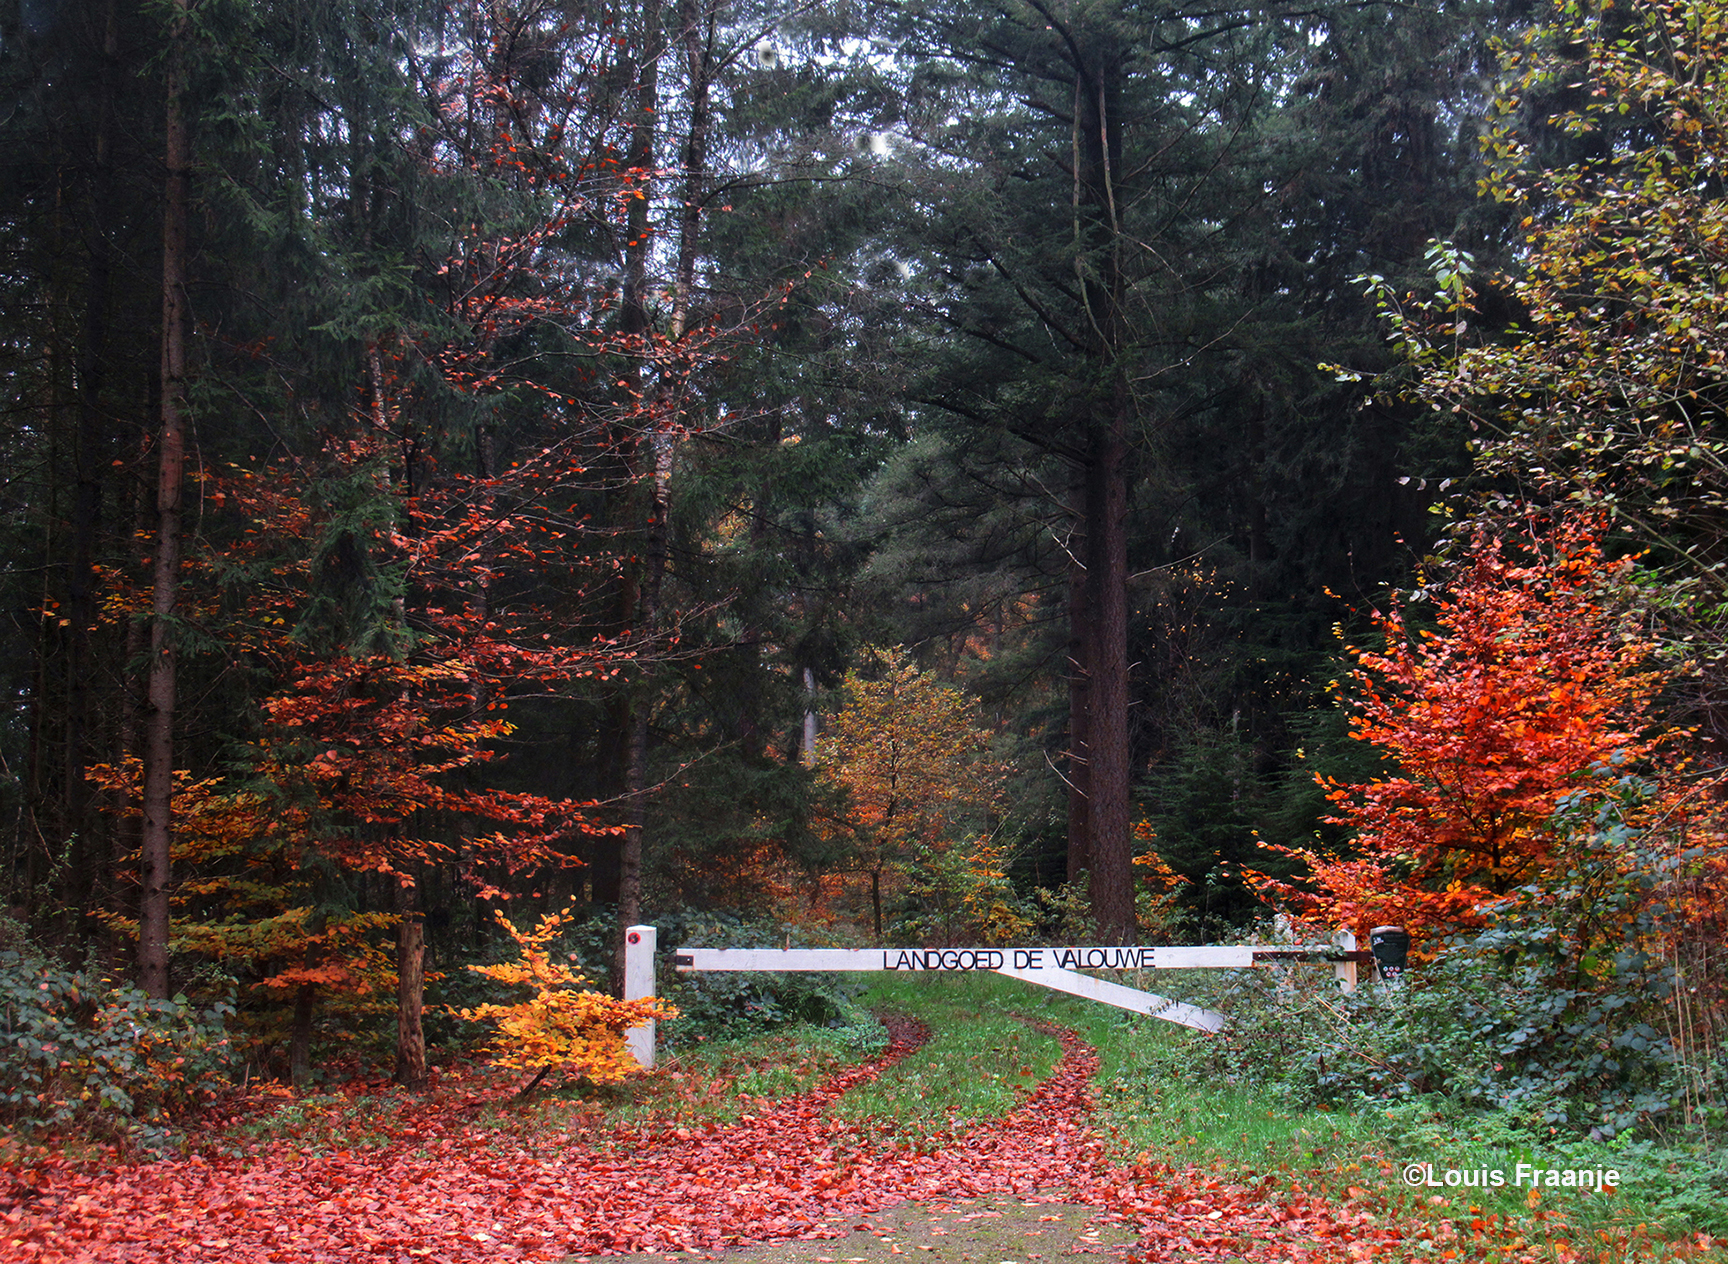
[(1391, 948)]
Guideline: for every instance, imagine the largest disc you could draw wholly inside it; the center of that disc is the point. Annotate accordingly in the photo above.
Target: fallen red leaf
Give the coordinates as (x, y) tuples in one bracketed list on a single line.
[(788, 1170)]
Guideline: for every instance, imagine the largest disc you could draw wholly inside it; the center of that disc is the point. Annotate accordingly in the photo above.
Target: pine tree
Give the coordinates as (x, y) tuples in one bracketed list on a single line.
[(1129, 280)]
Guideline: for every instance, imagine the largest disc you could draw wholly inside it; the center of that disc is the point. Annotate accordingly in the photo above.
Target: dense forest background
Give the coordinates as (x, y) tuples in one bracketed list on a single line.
[(897, 469)]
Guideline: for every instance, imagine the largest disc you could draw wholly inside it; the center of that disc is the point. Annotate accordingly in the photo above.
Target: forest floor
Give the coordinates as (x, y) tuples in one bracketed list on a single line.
[(462, 1175)]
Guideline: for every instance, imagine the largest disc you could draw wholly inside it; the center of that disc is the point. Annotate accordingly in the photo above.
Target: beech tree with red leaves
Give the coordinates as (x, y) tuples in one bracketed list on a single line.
[(372, 743), (450, 540), (1530, 686)]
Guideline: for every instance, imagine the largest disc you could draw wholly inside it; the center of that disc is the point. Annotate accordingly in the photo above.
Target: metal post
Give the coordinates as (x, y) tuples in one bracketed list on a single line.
[(639, 983)]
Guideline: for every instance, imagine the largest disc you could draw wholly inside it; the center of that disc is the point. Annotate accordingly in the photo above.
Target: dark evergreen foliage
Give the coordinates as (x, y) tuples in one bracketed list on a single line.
[(988, 330)]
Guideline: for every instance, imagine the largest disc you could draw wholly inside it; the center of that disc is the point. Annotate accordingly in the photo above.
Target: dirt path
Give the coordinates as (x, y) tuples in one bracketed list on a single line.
[(440, 1192), (788, 1185), (1001, 1230)]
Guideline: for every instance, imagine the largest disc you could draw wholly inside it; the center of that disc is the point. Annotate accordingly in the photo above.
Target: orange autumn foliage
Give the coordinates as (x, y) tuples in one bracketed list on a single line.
[(1529, 686), (921, 789), (379, 722), (247, 901), (565, 1024), (1157, 888)]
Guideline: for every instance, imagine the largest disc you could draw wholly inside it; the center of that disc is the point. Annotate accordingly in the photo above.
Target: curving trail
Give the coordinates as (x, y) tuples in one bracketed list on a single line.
[(443, 1194)]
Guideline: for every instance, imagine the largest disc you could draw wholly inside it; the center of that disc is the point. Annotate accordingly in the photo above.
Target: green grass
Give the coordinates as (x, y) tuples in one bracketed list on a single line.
[(1157, 1103), (982, 1058)]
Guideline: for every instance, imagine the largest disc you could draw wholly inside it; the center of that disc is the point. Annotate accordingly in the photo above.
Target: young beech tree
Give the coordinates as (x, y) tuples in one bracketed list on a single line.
[(467, 529), (921, 787), (378, 757), (565, 1025), (1529, 685), (383, 697), (256, 900)]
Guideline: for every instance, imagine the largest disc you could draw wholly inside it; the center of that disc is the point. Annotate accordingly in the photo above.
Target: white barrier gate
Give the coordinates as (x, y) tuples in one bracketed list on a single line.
[(1055, 968)]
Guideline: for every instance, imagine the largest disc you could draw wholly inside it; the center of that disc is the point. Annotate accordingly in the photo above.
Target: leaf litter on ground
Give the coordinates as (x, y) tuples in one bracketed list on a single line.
[(432, 1188)]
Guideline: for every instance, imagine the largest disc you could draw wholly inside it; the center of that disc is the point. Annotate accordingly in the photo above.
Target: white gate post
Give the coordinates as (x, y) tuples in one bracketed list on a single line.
[(639, 983), (1345, 970)]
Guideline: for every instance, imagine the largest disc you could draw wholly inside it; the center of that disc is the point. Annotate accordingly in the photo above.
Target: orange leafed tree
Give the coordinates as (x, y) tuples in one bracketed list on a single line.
[(374, 748), (565, 1024), (250, 901), (373, 736), (918, 777), (1527, 687)]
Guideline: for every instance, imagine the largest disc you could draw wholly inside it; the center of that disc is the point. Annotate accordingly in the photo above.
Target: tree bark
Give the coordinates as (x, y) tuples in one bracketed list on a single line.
[(300, 1037), (1098, 231), (96, 877), (696, 25), (127, 837), (410, 991), (1078, 762), (642, 463), (158, 753), (1108, 782)]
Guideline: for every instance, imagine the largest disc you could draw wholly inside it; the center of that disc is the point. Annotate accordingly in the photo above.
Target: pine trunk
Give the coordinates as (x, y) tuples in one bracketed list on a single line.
[(300, 1037), (642, 463), (96, 878), (1107, 695), (158, 752), (1078, 770), (1098, 228)]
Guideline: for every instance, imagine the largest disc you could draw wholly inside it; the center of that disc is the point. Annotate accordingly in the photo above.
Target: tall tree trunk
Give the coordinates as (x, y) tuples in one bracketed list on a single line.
[(95, 874), (1109, 775), (154, 858), (300, 1036), (1098, 232), (410, 989), (642, 462), (696, 25), (1078, 762), (126, 840)]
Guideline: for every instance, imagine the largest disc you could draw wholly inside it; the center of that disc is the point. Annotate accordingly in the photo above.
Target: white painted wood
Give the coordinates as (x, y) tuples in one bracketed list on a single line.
[(1231, 957), (1128, 998), (1345, 971), (784, 959), (1133, 957), (639, 944), (1200, 957), (1055, 968)]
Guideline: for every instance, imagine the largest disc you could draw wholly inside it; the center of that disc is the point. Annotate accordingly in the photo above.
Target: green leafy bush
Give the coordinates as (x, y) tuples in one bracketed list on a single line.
[(1556, 1013), (727, 1005), (79, 1051), (1486, 1025)]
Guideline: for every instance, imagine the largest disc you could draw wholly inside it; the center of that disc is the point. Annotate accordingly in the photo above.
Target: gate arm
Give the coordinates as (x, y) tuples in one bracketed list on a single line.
[(1076, 984)]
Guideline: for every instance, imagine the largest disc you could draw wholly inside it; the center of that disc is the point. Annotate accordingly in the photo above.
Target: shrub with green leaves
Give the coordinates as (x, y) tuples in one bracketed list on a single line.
[(726, 1005), (82, 1051), (1488, 1025), (1559, 1012)]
